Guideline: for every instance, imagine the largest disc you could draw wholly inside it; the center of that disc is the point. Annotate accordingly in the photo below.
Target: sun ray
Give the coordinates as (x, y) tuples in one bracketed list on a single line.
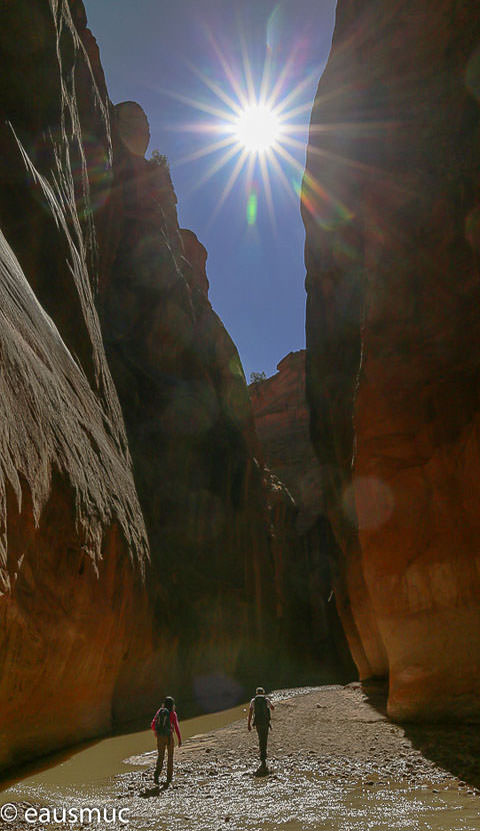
[(213, 169), (334, 157), (300, 110), (199, 127), (246, 67), (265, 83), (229, 185), (206, 108), (290, 159), (297, 90), (217, 90), (256, 129), (282, 177), (268, 188), (241, 94), (289, 63), (206, 151)]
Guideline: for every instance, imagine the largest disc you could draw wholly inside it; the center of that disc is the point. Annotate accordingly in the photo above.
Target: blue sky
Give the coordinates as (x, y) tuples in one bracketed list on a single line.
[(167, 57)]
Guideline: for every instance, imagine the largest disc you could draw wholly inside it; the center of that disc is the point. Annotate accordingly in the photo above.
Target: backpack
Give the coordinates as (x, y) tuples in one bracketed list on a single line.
[(161, 723), (261, 711)]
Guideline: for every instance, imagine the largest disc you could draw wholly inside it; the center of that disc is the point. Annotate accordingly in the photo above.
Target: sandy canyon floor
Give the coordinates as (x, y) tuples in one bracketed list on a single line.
[(335, 763)]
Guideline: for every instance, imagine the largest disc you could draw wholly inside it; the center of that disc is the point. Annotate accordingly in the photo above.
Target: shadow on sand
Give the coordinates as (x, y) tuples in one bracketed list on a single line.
[(453, 746)]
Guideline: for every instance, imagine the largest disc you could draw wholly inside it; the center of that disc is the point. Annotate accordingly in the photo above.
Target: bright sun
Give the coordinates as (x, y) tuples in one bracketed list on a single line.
[(257, 128)]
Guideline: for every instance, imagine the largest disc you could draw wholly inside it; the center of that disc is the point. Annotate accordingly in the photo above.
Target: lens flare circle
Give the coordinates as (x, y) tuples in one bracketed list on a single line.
[(258, 128)]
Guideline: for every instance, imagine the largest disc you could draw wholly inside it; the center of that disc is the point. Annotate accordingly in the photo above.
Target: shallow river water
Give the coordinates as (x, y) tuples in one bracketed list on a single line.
[(215, 788)]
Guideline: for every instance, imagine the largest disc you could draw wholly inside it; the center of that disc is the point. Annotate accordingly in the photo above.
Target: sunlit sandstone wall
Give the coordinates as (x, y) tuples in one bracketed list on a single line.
[(94, 628), (73, 549), (391, 210)]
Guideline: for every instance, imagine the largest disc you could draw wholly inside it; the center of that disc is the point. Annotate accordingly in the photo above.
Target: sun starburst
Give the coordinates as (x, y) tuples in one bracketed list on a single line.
[(250, 127)]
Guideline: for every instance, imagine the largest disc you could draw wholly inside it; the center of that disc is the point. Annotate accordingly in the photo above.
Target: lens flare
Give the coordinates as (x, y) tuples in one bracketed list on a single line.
[(249, 123), (258, 128)]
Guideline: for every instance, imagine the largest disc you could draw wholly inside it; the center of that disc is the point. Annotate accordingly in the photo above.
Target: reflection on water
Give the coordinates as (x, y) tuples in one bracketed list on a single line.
[(214, 787), (99, 760)]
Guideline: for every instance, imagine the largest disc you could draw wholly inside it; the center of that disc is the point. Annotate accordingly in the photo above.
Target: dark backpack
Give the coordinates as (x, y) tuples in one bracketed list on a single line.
[(261, 711), (163, 726)]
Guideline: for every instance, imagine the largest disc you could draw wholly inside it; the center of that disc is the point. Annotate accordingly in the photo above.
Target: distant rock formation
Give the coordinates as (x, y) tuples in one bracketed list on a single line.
[(282, 421), (391, 210), (302, 543)]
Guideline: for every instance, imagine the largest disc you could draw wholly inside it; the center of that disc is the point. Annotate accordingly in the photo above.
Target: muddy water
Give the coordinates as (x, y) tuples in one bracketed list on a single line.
[(215, 787), (101, 760)]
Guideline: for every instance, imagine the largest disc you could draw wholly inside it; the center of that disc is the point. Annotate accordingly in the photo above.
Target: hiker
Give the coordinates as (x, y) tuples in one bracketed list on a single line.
[(164, 722), (260, 707)]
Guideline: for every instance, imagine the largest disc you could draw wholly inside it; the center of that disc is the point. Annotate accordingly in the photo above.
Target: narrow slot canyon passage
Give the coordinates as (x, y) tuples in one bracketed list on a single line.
[(239, 412)]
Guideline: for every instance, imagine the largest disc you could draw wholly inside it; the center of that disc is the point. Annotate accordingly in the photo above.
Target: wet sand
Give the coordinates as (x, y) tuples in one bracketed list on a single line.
[(335, 762)]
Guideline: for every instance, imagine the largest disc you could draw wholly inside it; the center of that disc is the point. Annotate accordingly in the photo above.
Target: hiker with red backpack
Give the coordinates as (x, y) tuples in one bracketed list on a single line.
[(163, 724), (260, 707)]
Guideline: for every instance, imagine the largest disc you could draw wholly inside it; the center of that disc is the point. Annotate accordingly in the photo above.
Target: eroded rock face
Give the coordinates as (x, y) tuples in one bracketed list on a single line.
[(302, 543), (93, 260), (282, 423), (190, 427), (390, 204), (73, 548)]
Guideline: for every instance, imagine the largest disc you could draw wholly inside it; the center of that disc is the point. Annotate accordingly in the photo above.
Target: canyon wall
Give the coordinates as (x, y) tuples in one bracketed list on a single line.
[(97, 280), (188, 419), (391, 209), (303, 546), (73, 547), (282, 425)]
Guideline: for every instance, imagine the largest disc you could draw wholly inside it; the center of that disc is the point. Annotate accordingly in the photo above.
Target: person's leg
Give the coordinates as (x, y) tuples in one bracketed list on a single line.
[(262, 742), (161, 745), (171, 745)]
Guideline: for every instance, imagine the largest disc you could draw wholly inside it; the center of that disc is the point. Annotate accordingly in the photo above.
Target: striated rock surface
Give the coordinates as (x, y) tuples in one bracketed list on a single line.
[(391, 210), (73, 548), (94, 628)]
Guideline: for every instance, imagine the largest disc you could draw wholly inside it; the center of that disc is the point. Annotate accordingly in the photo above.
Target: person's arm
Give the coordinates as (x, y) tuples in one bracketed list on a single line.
[(177, 728), (272, 706), (250, 713)]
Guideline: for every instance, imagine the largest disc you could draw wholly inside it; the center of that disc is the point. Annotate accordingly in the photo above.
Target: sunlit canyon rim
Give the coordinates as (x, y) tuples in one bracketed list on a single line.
[(143, 542), (391, 210)]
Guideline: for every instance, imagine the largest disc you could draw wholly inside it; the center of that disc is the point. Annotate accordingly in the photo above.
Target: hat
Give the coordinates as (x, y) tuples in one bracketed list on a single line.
[(259, 691)]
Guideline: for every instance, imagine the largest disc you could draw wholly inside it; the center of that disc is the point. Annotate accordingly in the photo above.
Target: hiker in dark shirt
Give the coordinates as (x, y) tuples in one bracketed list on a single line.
[(164, 722), (260, 707)]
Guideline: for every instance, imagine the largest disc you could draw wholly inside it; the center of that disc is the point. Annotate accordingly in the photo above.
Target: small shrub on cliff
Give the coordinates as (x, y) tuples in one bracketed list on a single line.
[(159, 160), (257, 377)]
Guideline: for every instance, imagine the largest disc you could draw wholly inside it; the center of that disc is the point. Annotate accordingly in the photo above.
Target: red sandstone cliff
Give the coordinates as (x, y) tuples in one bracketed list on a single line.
[(282, 423), (93, 261), (303, 547), (391, 207), (73, 549)]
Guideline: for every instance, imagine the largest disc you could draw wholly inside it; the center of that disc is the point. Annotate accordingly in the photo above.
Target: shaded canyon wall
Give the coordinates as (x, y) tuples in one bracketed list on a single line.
[(134, 549), (304, 548), (391, 209)]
